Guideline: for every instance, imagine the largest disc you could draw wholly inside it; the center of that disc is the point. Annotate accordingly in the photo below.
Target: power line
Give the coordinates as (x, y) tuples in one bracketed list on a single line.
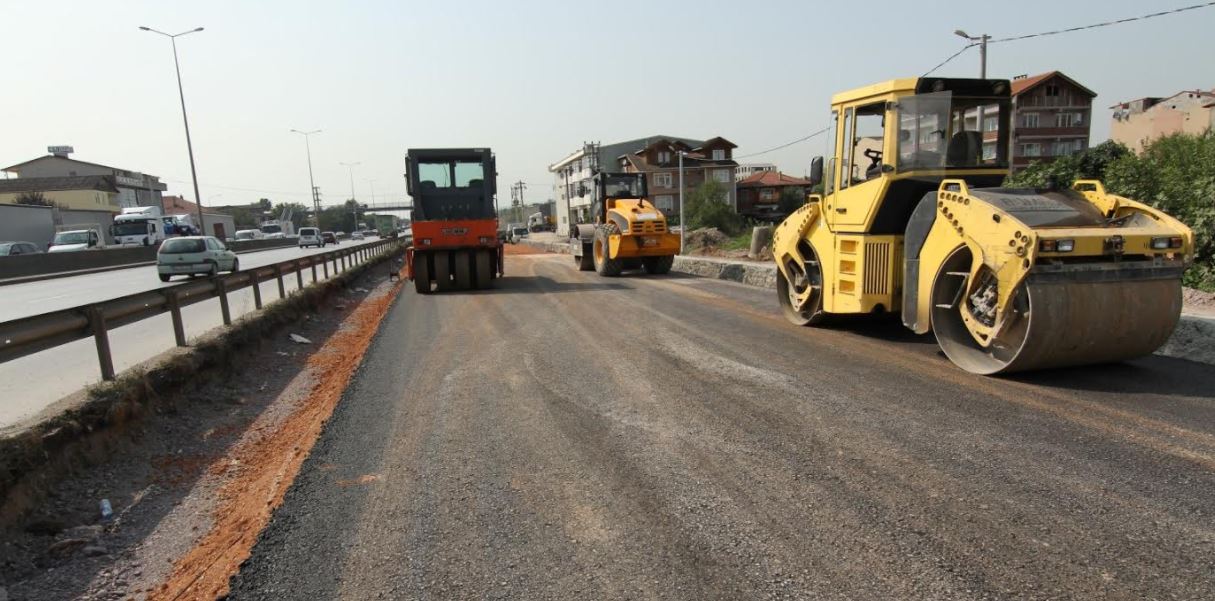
[(1104, 24), (951, 57), (785, 145)]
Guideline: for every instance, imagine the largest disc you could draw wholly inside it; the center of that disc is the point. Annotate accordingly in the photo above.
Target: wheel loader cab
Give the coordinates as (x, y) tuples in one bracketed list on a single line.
[(914, 219)]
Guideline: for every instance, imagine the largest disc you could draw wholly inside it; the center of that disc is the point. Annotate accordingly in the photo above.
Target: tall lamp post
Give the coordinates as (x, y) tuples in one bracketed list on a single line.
[(982, 40), (184, 120), (316, 201), (355, 208)]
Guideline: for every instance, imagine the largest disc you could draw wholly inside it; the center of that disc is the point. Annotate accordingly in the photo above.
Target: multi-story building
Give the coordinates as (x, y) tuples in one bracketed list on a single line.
[(134, 188), (572, 189), (1140, 121), (745, 170), (1052, 115), (759, 194), (78, 192), (710, 160)]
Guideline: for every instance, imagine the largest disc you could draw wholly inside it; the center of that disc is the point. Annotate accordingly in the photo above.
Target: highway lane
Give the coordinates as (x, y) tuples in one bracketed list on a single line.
[(32, 384), (32, 298), (573, 437)]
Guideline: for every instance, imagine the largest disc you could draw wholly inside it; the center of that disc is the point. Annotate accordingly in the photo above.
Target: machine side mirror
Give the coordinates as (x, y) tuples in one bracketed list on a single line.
[(816, 171)]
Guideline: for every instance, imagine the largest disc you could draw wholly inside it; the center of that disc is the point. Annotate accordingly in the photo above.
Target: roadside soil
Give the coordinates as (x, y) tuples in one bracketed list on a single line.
[(193, 485)]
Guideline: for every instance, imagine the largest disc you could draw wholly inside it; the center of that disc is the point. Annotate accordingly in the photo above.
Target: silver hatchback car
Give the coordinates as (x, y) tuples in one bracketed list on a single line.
[(194, 255)]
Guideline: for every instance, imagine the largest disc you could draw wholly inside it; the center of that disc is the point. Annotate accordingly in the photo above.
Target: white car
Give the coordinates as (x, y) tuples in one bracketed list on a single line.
[(517, 235), (311, 236), (248, 235), (194, 255), (356, 235)]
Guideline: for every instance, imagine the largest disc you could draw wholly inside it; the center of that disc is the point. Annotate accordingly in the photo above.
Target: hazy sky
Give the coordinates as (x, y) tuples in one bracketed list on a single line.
[(532, 80)]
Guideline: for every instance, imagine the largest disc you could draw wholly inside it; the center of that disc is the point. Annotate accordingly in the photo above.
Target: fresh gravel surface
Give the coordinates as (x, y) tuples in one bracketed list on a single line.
[(568, 436)]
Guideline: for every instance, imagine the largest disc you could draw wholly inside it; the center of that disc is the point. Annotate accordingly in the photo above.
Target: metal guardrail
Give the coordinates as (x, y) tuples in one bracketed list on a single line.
[(29, 335)]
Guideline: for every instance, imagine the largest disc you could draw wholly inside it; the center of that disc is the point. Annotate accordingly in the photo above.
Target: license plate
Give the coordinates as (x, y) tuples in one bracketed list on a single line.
[(649, 241), (183, 268), (455, 231)]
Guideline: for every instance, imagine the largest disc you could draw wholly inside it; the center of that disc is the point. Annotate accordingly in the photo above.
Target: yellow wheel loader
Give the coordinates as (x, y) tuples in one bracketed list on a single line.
[(628, 231), (914, 219)]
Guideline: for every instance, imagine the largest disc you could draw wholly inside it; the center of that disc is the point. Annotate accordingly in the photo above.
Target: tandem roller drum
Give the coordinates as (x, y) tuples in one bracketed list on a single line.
[(1058, 321)]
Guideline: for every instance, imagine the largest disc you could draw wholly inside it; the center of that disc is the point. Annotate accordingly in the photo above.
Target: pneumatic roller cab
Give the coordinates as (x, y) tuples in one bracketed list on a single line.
[(914, 218)]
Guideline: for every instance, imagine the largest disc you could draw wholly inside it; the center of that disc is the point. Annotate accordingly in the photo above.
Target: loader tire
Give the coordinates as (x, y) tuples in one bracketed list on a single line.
[(421, 273), (604, 264), (659, 265), (483, 270), (464, 276), (443, 281)]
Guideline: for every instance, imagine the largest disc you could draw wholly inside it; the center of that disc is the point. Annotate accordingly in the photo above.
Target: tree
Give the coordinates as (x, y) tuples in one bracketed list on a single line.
[(337, 219), (35, 199), (791, 199), (706, 206), (1090, 164)]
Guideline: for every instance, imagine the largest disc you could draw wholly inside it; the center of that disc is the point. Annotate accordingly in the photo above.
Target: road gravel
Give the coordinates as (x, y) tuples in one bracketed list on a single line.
[(568, 436)]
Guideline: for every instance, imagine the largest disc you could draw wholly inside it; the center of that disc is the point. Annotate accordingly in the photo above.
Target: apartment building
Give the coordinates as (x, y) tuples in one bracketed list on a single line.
[(710, 160), (746, 170), (1140, 121), (1052, 116), (134, 188)]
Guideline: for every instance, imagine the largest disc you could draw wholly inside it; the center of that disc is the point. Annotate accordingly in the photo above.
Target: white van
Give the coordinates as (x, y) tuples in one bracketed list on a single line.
[(311, 236)]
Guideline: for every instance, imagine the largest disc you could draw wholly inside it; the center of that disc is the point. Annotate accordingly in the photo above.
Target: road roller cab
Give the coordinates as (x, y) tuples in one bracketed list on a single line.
[(914, 219), (454, 223), (628, 231)]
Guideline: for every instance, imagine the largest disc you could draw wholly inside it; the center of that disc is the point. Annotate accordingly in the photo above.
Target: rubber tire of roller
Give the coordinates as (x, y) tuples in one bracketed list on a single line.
[(605, 265), (443, 282), (463, 264), (586, 262), (483, 269), (658, 265), (421, 273)]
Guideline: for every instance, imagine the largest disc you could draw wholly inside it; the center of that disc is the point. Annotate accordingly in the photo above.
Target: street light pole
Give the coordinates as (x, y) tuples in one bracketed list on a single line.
[(982, 40), (185, 121), (355, 208), (316, 201)]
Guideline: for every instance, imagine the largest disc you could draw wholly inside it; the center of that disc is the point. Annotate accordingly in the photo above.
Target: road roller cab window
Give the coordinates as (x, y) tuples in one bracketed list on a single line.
[(942, 131)]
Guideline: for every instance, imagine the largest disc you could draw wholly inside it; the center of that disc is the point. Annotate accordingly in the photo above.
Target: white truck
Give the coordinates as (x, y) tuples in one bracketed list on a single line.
[(139, 226), (283, 227), (70, 238)]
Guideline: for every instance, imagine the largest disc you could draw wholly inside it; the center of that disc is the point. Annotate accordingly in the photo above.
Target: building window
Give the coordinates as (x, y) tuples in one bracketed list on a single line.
[(664, 157), (989, 151), (719, 154), (1052, 90), (767, 194), (664, 202), (721, 176), (991, 123), (1029, 120), (1069, 120), (1078, 145), (1032, 149), (662, 180)]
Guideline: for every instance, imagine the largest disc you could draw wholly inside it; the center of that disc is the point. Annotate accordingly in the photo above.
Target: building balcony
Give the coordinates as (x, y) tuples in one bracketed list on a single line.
[(1051, 132)]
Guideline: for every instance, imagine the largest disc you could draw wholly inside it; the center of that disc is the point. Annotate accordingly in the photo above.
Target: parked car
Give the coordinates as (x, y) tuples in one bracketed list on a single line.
[(357, 236), (311, 236), (12, 249), (329, 237), (194, 255)]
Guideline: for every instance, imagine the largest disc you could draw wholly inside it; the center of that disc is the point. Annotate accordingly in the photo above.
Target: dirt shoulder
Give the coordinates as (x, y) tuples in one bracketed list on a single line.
[(191, 483)]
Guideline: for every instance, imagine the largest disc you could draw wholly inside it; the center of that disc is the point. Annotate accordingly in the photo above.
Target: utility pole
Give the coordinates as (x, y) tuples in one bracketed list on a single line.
[(982, 40), (518, 197), (353, 201), (316, 196)]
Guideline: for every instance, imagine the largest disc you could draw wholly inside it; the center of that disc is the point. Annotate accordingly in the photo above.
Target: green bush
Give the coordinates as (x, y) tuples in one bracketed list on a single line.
[(1175, 174), (706, 206)]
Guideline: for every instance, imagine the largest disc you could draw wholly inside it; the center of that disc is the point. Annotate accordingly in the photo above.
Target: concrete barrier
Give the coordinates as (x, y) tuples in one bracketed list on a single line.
[(48, 265), (1193, 340)]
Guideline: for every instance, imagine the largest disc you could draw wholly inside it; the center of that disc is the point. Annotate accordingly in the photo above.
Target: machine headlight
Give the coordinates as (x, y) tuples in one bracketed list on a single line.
[(425, 241), (1060, 246), (1166, 243)]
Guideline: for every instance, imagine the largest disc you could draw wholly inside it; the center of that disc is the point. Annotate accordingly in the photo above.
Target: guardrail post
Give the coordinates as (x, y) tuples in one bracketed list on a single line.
[(325, 264), (314, 271), (278, 273), (222, 288), (179, 329), (299, 276), (104, 358), (257, 288), (344, 255)]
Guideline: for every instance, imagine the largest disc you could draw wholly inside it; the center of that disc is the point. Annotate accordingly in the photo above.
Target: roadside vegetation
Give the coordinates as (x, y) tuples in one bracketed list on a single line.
[(1175, 174)]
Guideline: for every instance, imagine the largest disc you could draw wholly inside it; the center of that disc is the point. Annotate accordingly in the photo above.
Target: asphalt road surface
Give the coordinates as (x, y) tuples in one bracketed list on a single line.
[(568, 436)]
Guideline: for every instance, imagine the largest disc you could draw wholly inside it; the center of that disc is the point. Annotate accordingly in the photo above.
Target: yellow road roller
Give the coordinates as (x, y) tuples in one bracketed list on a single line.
[(627, 232), (913, 218)]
